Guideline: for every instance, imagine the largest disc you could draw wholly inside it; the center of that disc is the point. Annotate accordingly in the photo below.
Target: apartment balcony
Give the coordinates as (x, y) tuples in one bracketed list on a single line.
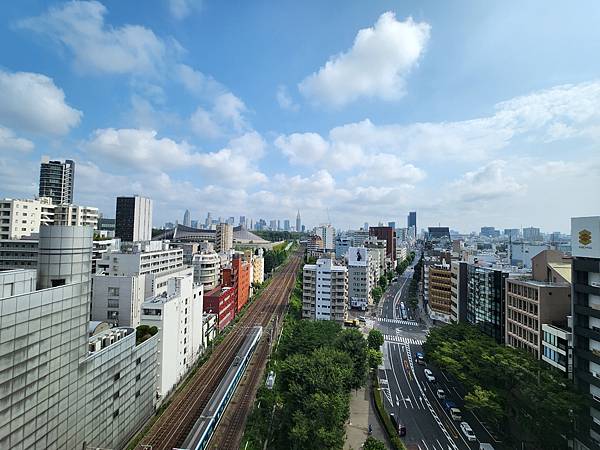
[(588, 332), (588, 355), (587, 311), (587, 377)]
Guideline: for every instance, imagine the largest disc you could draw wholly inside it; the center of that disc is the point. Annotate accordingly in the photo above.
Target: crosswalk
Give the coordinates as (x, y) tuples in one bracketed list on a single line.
[(403, 340), (398, 321)]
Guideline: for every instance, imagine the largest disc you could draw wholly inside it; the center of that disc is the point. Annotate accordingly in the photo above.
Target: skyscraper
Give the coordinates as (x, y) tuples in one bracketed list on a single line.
[(286, 225), (392, 225), (133, 219), (224, 237), (243, 221), (412, 221), (56, 180), (298, 222), (187, 221)]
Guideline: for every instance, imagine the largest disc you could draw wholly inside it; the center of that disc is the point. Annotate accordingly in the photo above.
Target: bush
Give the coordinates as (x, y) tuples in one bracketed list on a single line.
[(397, 443)]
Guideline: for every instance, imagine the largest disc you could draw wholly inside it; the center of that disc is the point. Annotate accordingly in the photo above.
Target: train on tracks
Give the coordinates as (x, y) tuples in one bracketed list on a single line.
[(202, 432)]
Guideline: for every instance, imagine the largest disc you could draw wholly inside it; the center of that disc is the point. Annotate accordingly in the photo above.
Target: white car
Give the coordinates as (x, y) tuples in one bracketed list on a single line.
[(467, 431), (429, 375), (441, 394)]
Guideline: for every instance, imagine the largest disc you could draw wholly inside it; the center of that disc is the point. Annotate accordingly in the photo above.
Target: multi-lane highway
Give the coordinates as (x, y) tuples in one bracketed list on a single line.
[(407, 393)]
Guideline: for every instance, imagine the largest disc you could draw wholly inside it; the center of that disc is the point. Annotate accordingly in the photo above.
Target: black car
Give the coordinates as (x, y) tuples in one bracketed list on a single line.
[(400, 427)]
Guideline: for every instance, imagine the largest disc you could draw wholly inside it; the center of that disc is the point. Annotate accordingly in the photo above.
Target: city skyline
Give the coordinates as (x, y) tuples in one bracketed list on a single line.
[(271, 130)]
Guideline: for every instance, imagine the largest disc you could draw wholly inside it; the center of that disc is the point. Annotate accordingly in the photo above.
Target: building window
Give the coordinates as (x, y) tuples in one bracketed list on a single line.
[(113, 291), (138, 361), (117, 376), (115, 414), (137, 394), (116, 395), (137, 377)]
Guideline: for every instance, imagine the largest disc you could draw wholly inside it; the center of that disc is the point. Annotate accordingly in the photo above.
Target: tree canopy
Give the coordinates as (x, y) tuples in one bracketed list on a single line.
[(508, 387), (373, 444), (375, 339)]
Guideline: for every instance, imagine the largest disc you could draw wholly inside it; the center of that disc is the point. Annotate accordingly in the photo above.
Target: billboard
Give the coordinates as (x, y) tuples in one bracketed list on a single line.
[(357, 256), (585, 236)]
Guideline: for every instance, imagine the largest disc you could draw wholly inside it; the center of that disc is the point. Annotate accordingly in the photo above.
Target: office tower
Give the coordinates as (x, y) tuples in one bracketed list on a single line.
[(286, 225), (298, 222), (72, 391), (360, 282), (327, 234), (224, 238), (325, 291), (342, 243), (243, 222), (489, 232), (439, 303), (585, 296), (412, 222), (366, 226), (512, 233), (56, 180), (387, 234), (187, 220), (458, 293), (273, 225), (231, 220), (392, 225), (532, 234), (278, 224), (133, 219)]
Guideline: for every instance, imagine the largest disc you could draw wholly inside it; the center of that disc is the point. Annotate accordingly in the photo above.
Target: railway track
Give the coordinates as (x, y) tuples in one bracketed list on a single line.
[(171, 429)]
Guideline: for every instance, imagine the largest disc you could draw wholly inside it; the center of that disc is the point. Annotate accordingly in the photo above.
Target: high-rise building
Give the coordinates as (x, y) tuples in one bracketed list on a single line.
[(440, 292), (243, 221), (512, 233), (360, 282), (133, 219), (73, 391), (298, 222), (286, 225), (325, 291), (56, 180), (187, 220), (458, 292), (327, 234), (224, 238), (231, 220), (489, 232), (585, 295), (207, 269), (208, 221), (532, 234), (388, 234), (412, 221), (392, 225)]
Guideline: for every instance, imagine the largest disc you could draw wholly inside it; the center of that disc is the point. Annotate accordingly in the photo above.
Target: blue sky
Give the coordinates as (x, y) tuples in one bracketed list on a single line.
[(471, 113)]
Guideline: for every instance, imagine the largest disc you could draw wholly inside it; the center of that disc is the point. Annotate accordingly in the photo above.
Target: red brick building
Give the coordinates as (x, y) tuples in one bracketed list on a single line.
[(221, 301), (388, 234), (238, 277)]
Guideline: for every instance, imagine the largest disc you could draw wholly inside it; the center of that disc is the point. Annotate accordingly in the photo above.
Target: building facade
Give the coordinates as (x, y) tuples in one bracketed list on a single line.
[(360, 281), (440, 292), (207, 269), (458, 292), (22, 218), (388, 234), (57, 179), (18, 254), (221, 301), (133, 219), (325, 291), (224, 238)]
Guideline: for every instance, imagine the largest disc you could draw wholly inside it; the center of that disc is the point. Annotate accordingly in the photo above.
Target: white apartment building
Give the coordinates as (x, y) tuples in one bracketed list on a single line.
[(18, 254), (258, 267), (22, 218), (360, 279), (59, 388), (327, 234), (178, 315), (142, 258), (325, 291), (207, 269), (76, 216)]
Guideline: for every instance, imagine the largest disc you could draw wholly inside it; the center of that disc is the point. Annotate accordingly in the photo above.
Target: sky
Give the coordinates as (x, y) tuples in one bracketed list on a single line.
[(470, 113)]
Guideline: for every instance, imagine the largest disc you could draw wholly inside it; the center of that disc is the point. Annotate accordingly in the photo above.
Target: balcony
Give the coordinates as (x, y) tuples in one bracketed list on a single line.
[(588, 332), (588, 355)]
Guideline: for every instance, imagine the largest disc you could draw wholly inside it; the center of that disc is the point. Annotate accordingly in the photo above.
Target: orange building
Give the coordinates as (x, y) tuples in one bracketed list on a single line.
[(238, 277)]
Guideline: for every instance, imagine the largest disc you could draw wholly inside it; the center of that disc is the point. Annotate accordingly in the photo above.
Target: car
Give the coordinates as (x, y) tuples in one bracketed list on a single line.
[(400, 427), (467, 431), (455, 414), (429, 375), (362, 319), (441, 394), (420, 358)]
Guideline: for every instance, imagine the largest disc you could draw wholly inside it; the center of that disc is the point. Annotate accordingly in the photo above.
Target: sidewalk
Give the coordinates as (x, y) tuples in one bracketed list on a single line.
[(362, 413)]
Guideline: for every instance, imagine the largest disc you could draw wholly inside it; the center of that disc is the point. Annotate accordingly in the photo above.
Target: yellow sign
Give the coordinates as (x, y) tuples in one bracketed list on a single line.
[(585, 237)]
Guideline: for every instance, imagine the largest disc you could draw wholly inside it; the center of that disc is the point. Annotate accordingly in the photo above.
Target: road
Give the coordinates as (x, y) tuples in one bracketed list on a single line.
[(407, 393)]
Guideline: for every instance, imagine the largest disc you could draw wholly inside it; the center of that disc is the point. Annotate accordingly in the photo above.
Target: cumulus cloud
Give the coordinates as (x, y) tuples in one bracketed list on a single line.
[(284, 99), (143, 151), (388, 169), (96, 47), (31, 102), (485, 183), (226, 117), (375, 67), (10, 142), (180, 9), (303, 148), (197, 82)]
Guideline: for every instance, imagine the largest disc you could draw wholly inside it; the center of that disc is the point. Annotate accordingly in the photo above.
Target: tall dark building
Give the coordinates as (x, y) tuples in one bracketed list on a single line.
[(412, 221), (585, 297), (133, 219), (387, 234), (56, 181)]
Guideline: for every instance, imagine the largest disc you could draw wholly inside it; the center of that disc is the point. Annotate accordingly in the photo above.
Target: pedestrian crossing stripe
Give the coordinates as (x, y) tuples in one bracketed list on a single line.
[(403, 340), (398, 321)]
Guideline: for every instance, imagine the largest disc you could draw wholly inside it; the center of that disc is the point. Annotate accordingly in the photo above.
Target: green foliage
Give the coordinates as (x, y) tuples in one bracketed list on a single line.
[(508, 387), (295, 305), (375, 339), (352, 342), (375, 358), (144, 332), (276, 236), (373, 444), (383, 282), (276, 257), (397, 443), (377, 293)]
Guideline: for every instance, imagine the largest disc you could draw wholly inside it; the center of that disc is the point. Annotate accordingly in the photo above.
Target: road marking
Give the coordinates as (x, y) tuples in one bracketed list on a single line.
[(425, 444), (398, 321), (403, 340), (396, 378), (408, 381)]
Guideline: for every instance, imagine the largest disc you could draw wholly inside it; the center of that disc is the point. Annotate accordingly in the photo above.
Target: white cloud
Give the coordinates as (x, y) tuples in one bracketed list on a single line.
[(139, 151), (97, 47), (198, 83), (303, 148), (180, 9), (488, 182), (204, 124), (10, 142), (32, 102), (375, 67), (284, 99), (388, 169), (225, 118)]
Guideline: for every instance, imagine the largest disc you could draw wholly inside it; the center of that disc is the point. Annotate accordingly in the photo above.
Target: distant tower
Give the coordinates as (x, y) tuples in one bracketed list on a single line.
[(56, 180), (187, 221), (298, 222)]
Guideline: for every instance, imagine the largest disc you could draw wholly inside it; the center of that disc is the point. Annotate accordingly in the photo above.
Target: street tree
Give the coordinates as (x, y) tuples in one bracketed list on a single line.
[(375, 339)]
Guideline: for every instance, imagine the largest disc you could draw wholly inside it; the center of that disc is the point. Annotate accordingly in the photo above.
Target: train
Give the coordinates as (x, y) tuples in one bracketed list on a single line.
[(204, 427)]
